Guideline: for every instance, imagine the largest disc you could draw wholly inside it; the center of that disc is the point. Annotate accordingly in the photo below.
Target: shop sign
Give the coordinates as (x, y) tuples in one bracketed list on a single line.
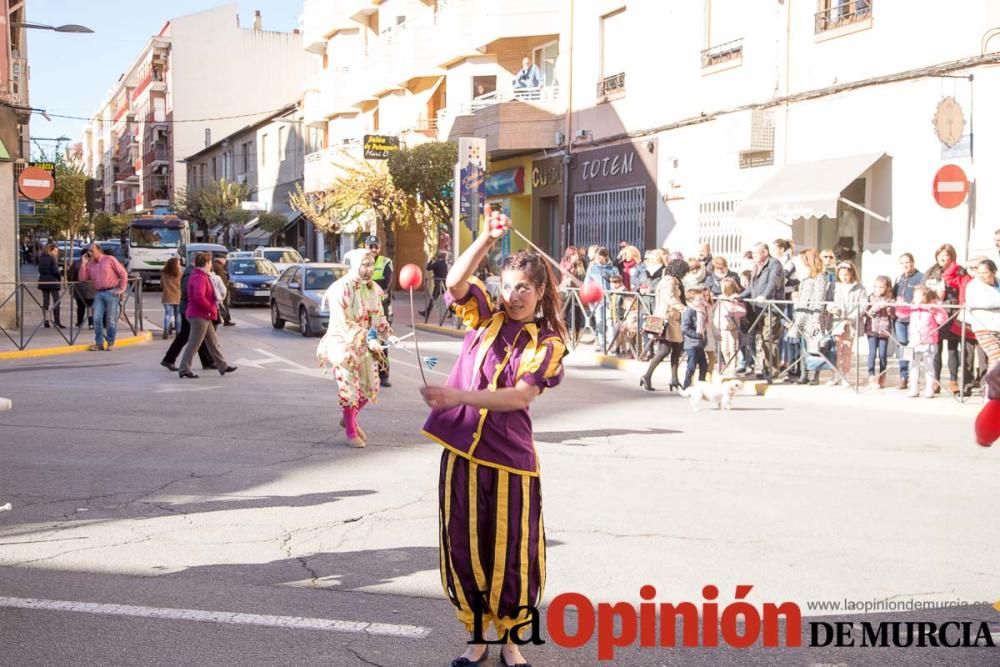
[(610, 165), (379, 146), (472, 181), (546, 174), (506, 182)]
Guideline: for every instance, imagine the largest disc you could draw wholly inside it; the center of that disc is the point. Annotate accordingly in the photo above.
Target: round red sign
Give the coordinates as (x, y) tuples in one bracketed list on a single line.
[(36, 183), (950, 186)]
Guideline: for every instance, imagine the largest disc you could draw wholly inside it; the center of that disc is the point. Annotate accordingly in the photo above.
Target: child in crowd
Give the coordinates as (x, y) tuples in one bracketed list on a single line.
[(925, 322), (617, 308), (727, 316), (848, 299), (878, 326), (695, 325)]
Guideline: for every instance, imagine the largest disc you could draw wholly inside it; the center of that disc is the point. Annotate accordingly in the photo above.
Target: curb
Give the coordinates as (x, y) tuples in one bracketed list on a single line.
[(144, 337), (890, 400), (444, 331)]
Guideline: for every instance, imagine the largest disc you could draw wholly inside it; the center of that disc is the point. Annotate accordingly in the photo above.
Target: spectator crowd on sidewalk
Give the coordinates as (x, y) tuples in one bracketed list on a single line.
[(779, 314)]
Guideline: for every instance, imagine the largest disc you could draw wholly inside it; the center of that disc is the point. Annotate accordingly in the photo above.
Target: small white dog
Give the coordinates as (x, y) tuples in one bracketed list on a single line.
[(721, 395)]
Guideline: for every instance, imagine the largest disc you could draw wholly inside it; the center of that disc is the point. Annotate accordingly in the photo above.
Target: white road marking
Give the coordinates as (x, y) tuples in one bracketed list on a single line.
[(173, 389), (255, 363), (229, 617), (275, 357)]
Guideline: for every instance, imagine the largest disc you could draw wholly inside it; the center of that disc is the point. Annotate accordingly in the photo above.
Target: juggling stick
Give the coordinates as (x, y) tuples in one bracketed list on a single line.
[(411, 277), (589, 292)]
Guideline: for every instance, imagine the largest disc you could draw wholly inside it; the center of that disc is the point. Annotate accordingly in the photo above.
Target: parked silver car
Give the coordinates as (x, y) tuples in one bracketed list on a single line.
[(296, 296)]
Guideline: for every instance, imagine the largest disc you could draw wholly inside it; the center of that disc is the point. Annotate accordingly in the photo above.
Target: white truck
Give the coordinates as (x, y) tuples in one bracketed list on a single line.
[(148, 243)]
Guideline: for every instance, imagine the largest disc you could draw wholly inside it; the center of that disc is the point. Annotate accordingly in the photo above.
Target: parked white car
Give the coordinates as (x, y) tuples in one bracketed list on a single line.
[(282, 258)]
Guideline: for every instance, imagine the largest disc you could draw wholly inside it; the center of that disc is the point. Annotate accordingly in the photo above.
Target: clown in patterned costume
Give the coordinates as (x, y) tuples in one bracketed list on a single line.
[(347, 350), (492, 538)]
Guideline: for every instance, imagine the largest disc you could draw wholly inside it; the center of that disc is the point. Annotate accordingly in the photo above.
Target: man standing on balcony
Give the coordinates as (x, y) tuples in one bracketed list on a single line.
[(529, 76), (382, 276), (110, 282)]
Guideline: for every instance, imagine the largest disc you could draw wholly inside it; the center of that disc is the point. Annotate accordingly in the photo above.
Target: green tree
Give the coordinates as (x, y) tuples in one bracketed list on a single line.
[(220, 201), (66, 214), (271, 223), (108, 226), (317, 207), (188, 207), (426, 174), (362, 198)]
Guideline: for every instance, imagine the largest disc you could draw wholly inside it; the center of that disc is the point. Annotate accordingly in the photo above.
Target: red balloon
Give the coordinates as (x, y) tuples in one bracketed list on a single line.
[(411, 277), (988, 423), (591, 293)]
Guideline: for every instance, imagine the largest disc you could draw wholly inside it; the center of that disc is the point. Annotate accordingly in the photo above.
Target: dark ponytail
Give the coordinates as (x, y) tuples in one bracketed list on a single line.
[(542, 276)]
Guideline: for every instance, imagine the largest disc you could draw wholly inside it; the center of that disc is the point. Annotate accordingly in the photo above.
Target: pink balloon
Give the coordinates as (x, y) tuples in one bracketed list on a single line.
[(591, 293), (988, 424), (411, 277)]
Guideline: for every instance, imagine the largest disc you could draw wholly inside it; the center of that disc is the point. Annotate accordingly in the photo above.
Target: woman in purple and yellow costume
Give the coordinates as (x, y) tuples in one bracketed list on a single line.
[(490, 500)]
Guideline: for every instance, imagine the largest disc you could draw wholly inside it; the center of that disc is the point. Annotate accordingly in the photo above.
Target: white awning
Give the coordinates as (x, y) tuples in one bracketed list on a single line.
[(808, 189)]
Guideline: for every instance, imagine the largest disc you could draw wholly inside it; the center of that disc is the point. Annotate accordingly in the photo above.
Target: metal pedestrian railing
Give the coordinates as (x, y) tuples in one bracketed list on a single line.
[(23, 311), (616, 324)]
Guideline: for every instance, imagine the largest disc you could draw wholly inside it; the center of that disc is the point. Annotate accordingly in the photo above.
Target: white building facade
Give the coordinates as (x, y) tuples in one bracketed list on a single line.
[(805, 119)]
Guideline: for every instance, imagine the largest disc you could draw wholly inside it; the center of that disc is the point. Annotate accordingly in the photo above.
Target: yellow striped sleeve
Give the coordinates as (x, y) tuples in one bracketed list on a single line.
[(476, 306)]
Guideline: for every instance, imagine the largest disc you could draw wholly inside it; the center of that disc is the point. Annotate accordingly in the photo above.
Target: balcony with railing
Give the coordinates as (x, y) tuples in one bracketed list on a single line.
[(16, 92), (157, 155), (611, 87), (405, 52), (471, 25), (333, 91), (727, 53), (156, 191), (509, 120), (846, 14), (321, 18)]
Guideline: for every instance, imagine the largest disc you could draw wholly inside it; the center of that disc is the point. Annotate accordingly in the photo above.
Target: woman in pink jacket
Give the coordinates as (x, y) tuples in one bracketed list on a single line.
[(202, 310)]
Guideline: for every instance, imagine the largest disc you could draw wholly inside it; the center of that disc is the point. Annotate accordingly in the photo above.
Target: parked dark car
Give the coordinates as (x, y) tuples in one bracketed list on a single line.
[(113, 247), (250, 281), (296, 296)]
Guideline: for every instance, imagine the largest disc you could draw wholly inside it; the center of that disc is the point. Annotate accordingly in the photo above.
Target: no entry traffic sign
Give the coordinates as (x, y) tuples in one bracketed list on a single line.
[(950, 186), (36, 183)]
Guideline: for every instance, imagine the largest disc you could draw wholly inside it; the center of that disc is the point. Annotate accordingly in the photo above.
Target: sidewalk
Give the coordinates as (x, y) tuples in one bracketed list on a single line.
[(42, 341), (889, 398)]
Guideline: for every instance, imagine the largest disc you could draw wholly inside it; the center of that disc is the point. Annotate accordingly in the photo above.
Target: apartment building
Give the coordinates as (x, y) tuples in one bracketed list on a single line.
[(424, 70), (201, 76), (725, 121), (268, 157)]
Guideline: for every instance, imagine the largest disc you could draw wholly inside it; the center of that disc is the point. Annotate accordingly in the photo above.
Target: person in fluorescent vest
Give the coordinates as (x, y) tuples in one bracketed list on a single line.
[(382, 275)]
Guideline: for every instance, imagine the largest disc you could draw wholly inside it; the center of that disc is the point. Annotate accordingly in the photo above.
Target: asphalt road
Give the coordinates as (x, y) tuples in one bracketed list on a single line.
[(162, 508)]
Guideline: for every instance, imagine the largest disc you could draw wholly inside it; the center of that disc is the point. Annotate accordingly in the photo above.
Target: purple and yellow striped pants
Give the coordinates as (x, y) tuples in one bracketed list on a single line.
[(492, 541)]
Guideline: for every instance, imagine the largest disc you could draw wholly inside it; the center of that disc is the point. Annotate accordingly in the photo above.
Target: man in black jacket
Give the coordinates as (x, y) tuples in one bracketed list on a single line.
[(181, 339), (767, 282)]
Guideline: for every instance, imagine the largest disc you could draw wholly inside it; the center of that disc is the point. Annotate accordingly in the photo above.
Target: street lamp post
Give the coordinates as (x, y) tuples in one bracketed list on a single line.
[(70, 28)]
